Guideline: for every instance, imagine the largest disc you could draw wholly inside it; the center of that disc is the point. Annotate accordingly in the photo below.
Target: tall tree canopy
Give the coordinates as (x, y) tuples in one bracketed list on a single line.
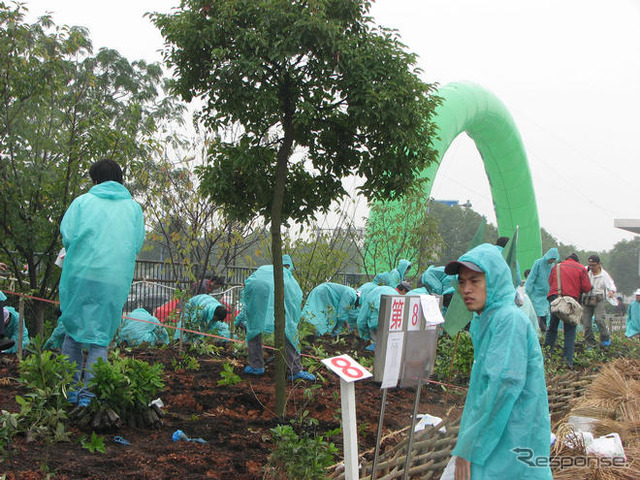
[(318, 93), (63, 108)]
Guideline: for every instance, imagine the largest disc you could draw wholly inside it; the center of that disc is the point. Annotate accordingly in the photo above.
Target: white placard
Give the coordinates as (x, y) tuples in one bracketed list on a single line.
[(431, 309), (393, 360), (396, 314), (347, 368), (415, 314)]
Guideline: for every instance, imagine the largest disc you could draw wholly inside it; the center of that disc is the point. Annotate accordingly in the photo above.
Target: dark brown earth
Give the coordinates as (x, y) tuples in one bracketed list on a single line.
[(234, 420)]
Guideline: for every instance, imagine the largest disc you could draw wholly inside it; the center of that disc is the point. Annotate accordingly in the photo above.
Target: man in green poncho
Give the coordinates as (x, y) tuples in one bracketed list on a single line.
[(537, 285), (102, 232), (505, 424), (398, 273), (331, 307), (257, 317)]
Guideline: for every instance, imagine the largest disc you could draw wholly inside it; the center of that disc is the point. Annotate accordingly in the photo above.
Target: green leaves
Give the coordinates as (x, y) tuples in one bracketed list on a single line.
[(42, 410), (347, 92), (126, 385), (315, 93), (96, 444), (229, 377), (460, 367), (303, 458), (63, 108)]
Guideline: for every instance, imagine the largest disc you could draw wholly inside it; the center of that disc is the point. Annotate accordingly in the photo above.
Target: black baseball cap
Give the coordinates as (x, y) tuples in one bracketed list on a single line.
[(453, 268)]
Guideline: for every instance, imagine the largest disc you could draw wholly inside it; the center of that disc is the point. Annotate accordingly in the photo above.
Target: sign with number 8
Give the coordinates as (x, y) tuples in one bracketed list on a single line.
[(347, 368), (415, 314)]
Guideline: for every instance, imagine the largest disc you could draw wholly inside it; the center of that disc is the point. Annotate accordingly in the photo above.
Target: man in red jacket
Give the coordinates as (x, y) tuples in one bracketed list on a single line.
[(574, 282)]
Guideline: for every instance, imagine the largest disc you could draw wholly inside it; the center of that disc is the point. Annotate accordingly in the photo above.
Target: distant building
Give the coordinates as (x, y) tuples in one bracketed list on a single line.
[(453, 203), (628, 224)]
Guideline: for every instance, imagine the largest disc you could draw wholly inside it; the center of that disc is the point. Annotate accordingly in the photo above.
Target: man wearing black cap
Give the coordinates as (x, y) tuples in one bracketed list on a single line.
[(506, 411), (603, 287)]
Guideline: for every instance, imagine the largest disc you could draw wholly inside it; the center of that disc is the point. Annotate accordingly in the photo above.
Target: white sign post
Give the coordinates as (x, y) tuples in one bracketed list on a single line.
[(349, 372)]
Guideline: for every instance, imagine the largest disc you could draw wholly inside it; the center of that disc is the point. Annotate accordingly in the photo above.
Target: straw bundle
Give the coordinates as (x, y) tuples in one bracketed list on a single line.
[(610, 384), (611, 399)]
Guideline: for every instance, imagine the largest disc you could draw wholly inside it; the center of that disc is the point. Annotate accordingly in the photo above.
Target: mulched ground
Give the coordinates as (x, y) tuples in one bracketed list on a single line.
[(234, 420)]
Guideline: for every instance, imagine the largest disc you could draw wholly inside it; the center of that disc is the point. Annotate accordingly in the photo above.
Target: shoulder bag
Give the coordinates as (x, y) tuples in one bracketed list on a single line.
[(568, 309)]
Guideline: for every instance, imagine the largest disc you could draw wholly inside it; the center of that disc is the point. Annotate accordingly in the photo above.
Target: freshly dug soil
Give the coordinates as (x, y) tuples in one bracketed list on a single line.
[(234, 420)]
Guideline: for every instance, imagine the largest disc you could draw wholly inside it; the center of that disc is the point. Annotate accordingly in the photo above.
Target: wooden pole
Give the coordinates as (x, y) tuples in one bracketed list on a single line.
[(349, 429), (453, 356), (20, 326)]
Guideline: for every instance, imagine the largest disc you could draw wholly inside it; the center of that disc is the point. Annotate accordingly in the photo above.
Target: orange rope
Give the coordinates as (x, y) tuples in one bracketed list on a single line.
[(55, 302), (201, 333)]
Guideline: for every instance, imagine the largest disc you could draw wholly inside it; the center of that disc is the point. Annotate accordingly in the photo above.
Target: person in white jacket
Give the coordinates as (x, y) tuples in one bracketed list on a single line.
[(602, 287)]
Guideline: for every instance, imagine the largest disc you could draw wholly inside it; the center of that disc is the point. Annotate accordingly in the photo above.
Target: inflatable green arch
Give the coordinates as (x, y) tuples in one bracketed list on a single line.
[(469, 108)]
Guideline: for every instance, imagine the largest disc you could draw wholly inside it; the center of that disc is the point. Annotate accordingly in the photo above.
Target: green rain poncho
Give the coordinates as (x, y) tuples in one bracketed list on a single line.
[(133, 331), (286, 260), (506, 405), (12, 328), (418, 291), (368, 316), (378, 280), (329, 306), (537, 284), (436, 281), (198, 313), (398, 273), (633, 319), (102, 231), (257, 304)]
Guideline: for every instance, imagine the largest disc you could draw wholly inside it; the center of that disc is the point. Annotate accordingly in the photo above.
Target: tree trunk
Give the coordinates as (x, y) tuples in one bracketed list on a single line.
[(39, 308), (278, 281), (287, 98)]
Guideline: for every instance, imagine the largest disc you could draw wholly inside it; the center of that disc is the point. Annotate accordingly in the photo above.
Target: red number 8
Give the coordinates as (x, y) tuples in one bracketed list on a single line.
[(345, 365), (415, 316)]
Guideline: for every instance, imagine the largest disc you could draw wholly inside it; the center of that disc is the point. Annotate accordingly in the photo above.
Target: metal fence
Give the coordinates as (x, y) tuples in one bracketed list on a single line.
[(616, 323), (155, 283)]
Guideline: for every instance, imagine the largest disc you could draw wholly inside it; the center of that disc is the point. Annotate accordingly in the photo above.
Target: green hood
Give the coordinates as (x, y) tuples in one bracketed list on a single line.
[(500, 290)]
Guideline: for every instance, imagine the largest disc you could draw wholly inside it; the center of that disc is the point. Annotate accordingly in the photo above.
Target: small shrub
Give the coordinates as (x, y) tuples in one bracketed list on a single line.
[(364, 360), (306, 331), (229, 377), (319, 351), (238, 349), (186, 362), (309, 393), (462, 362), (8, 428), (46, 377), (205, 349), (96, 444), (126, 385), (300, 457)]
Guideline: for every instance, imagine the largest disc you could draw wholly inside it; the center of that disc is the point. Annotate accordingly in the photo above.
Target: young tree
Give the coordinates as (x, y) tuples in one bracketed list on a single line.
[(320, 257), (401, 231), (319, 92), (61, 108), (186, 225)]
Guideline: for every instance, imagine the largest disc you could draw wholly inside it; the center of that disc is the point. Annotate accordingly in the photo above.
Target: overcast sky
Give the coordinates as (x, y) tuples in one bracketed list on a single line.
[(568, 71)]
